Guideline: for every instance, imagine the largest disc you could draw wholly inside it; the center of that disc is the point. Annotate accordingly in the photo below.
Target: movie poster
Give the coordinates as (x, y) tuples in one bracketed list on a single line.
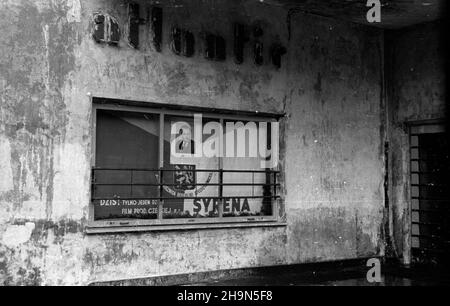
[(128, 143)]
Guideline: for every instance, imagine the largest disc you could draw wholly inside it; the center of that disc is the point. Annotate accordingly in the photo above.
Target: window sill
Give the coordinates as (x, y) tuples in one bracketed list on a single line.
[(91, 230)]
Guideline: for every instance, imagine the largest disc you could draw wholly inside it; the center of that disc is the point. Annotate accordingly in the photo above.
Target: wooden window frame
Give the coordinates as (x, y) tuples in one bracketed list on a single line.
[(160, 224)]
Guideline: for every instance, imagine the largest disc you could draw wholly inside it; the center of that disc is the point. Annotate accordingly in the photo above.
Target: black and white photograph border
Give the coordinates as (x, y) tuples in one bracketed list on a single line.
[(244, 144)]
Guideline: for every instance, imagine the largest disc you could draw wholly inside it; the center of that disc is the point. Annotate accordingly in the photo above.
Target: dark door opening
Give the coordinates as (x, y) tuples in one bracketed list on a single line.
[(430, 209)]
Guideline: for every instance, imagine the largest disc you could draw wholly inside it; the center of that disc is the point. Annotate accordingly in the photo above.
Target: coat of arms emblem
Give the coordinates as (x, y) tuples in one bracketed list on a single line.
[(184, 177)]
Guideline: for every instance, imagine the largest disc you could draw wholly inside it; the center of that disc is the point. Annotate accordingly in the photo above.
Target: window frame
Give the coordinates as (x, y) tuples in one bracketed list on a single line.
[(160, 224), (415, 129)]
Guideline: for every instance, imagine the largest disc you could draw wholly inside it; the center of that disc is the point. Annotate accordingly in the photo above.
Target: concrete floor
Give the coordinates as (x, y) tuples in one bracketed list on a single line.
[(386, 281), (338, 273), (392, 277)]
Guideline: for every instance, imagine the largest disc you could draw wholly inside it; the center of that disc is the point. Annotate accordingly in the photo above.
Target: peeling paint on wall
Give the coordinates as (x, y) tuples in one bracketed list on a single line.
[(16, 235), (74, 12)]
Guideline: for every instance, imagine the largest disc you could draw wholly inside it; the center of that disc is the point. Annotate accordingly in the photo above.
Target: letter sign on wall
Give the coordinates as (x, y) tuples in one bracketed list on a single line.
[(106, 29), (258, 46), (182, 41), (240, 38), (134, 21), (215, 47), (157, 27)]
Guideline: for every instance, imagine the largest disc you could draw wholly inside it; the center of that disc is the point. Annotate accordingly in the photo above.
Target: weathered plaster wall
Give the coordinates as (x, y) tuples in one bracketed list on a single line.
[(416, 92), (329, 86), (334, 161), (418, 73)]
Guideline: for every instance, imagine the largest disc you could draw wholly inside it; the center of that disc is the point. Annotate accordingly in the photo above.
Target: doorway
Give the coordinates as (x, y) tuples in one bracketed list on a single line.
[(430, 209)]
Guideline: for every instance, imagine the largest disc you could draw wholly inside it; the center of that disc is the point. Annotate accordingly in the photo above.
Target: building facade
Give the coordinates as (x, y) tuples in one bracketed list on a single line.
[(87, 86)]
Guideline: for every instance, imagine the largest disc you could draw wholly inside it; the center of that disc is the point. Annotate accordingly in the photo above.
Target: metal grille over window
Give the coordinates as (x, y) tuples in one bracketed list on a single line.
[(430, 211), (125, 193)]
